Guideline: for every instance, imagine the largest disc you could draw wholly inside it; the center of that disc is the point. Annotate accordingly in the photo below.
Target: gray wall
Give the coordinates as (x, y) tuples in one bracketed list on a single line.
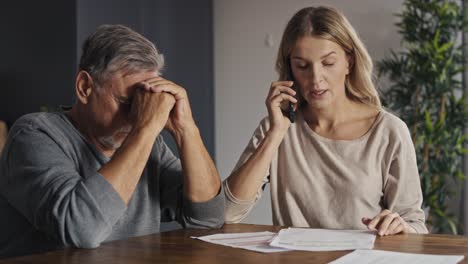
[(244, 65), (37, 54), (182, 31)]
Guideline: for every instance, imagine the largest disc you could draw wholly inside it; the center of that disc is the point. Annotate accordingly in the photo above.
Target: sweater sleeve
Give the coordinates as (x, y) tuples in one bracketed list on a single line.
[(236, 210), (175, 205), (402, 189), (45, 186)]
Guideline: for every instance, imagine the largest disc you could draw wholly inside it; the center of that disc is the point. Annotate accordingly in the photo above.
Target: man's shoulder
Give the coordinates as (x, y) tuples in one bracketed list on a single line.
[(39, 121), (39, 117), (40, 126)]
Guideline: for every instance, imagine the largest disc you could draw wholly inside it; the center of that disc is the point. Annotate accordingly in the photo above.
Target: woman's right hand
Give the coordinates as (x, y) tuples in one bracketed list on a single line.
[(277, 101)]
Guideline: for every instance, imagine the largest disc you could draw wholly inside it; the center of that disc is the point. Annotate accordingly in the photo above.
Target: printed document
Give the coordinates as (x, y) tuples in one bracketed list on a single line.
[(389, 257), (323, 239), (256, 241)]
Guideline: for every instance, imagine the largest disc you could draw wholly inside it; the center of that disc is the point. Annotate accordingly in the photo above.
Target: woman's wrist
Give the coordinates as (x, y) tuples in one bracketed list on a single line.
[(409, 228), (276, 135)]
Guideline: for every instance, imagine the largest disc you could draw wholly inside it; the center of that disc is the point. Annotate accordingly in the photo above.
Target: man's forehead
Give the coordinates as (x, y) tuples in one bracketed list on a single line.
[(123, 83), (145, 74), (128, 78)]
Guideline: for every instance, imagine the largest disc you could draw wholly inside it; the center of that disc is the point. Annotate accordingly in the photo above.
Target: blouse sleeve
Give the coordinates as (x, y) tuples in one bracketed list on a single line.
[(235, 209), (402, 188)]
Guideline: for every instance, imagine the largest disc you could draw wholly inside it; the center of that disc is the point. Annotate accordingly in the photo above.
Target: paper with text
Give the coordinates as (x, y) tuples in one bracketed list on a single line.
[(256, 241), (389, 257), (323, 239)]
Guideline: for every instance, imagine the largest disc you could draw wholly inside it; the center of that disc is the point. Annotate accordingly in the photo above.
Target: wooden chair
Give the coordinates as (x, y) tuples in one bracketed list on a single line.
[(3, 134)]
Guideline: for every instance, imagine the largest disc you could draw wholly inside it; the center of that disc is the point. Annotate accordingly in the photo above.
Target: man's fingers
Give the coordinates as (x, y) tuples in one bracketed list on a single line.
[(159, 84), (177, 91), (145, 86), (155, 79)]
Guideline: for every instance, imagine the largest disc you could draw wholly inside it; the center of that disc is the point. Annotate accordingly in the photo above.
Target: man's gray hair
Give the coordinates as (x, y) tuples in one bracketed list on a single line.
[(112, 48)]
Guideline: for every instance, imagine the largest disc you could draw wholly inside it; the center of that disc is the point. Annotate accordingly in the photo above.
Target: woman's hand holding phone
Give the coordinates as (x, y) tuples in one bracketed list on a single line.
[(279, 97)]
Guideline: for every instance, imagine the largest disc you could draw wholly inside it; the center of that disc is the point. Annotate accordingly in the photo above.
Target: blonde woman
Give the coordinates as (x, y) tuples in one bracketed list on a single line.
[(344, 163)]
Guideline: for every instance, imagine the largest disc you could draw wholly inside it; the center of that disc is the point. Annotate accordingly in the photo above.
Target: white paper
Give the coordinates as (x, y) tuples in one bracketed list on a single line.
[(256, 241), (323, 239), (389, 257)]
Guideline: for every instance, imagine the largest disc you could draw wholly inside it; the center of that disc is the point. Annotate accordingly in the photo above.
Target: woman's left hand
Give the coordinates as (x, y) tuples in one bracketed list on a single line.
[(388, 223)]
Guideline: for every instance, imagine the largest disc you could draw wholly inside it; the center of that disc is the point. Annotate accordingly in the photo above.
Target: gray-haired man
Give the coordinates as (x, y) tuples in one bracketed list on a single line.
[(101, 171)]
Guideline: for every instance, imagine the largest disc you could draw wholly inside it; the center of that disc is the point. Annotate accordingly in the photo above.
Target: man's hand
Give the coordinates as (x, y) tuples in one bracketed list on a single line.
[(180, 118), (151, 109), (388, 223), (201, 179)]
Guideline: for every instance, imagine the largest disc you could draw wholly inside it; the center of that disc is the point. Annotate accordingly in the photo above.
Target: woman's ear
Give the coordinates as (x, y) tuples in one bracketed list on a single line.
[(350, 66), (84, 86)]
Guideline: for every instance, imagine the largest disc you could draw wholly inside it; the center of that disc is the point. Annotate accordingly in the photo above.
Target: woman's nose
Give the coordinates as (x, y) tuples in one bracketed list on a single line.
[(316, 75)]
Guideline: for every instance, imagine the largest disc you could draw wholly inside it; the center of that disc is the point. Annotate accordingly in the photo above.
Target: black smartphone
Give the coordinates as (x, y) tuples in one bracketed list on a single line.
[(291, 112)]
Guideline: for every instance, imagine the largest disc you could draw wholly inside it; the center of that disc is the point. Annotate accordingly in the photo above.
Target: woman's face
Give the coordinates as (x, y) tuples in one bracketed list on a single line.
[(319, 67)]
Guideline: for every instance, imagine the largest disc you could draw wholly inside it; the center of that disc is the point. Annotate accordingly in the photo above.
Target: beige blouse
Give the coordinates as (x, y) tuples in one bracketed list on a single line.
[(323, 183)]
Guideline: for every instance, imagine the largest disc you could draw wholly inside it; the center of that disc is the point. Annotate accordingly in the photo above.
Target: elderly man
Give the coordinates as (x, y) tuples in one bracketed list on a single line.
[(102, 171)]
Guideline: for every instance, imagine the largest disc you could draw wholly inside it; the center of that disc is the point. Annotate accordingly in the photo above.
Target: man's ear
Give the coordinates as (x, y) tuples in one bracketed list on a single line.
[(84, 86)]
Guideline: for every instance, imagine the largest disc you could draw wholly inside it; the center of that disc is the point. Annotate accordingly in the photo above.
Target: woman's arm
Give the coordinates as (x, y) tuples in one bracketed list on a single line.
[(402, 191), (243, 184)]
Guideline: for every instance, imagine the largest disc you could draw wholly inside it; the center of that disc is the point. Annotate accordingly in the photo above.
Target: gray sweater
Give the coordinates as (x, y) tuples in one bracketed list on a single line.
[(51, 195)]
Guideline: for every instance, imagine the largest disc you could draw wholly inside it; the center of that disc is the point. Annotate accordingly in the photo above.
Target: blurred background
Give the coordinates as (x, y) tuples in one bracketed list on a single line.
[(221, 51)]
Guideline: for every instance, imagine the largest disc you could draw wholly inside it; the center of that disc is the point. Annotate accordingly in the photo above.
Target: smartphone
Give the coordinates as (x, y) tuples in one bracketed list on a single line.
[(291, 112)]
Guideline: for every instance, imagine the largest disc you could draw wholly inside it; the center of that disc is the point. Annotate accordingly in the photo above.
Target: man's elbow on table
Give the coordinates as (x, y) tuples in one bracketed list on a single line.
[(82, 235), (84, 239)]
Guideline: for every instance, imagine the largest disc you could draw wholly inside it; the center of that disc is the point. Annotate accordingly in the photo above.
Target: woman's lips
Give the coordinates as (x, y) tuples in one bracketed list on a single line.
[(318, 94)]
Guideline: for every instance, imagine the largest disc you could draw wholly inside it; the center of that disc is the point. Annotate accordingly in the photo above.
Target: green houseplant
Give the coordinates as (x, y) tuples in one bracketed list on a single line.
[(427, 93)]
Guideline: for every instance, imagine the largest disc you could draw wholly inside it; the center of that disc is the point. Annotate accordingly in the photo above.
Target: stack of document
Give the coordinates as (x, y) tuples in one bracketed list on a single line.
[(296, 239), (257, 241), (325, 240)]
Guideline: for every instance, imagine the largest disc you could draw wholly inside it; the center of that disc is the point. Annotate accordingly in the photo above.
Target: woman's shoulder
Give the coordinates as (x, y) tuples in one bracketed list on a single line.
[(393, 126), (391, 120)]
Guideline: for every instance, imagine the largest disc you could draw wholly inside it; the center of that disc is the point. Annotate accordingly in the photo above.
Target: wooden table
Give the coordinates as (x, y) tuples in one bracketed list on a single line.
[(178, 247)]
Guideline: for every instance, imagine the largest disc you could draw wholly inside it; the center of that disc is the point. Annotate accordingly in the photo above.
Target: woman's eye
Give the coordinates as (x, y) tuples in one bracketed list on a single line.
[(328, 64), (301, 66)]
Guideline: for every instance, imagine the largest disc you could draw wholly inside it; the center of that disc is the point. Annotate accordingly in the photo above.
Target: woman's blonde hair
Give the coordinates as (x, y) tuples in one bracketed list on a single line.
[(330, 24)]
